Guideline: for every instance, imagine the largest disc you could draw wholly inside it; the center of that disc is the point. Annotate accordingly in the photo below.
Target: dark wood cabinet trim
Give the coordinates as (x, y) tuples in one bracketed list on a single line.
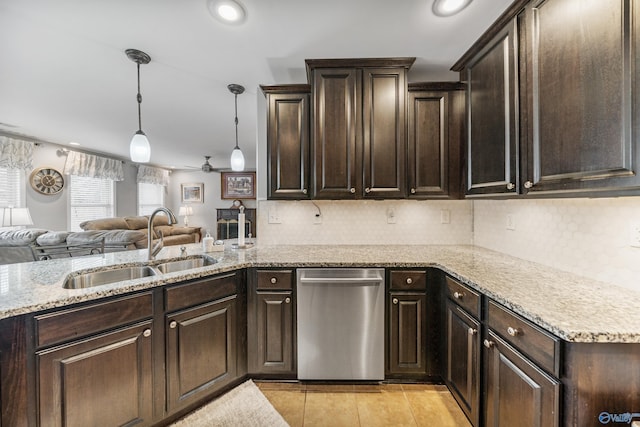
[(286, 89), (312, 64)]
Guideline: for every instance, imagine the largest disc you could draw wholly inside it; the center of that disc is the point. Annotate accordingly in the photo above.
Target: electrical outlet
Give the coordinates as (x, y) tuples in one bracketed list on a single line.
[(274, 218), (445, 216), (511, 224), (391, 216), (634, 235), (317, 219)]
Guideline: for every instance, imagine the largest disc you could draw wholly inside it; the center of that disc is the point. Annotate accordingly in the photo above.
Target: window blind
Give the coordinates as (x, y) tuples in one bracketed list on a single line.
[(150, 197), (12, 188), (89, 198)]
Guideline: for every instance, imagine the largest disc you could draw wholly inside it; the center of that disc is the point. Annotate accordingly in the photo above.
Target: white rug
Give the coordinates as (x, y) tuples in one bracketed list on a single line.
[(243, 406)]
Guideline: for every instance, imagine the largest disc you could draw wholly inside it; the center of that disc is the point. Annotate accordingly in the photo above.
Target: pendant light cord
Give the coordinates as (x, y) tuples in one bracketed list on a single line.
[(236, 121), (139, 98)]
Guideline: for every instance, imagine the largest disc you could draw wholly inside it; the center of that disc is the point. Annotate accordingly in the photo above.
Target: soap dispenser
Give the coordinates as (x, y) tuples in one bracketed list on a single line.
[(207, 243)]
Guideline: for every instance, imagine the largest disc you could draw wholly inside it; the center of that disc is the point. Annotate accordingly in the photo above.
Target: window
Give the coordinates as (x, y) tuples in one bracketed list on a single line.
[(150, 197), (12, 188), (89, 198)]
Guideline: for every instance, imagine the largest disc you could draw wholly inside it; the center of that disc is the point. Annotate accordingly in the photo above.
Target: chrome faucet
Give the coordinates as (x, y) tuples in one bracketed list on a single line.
[(153, 250)]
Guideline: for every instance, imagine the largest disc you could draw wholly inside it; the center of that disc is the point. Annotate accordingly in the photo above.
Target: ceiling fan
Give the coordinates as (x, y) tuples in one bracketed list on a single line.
[(208, 167)]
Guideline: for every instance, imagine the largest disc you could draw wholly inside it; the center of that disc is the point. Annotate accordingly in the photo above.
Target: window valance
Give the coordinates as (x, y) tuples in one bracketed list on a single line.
[(16, 153), (151, 175), (89, 165)]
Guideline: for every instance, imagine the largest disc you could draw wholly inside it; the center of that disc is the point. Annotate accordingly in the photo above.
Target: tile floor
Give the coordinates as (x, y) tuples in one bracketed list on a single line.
[(364, 405)]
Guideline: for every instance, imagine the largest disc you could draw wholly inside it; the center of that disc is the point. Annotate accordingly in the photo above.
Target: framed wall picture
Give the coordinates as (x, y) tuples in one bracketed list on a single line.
[(238, 185), (192, 192)]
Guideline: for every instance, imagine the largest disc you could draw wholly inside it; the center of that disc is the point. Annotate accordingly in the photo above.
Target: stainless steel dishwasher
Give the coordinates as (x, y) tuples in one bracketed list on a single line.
[(340, 315)]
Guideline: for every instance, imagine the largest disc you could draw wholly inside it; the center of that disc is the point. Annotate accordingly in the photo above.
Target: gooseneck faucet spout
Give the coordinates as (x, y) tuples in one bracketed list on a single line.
[(153, 250)]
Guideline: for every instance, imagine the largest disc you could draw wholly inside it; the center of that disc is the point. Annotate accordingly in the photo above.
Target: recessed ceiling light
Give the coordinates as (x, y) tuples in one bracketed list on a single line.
[(449, 7), (74, 143), (227, 11)]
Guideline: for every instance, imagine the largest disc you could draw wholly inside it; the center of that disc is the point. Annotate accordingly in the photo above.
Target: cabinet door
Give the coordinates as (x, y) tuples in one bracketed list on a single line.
[(407, 333), (580, 70), (274, 333), (463, 360), (335, 133), (492, 117), (384, 132), (518, 393), (288, 146), (105, 380), (201, 351)]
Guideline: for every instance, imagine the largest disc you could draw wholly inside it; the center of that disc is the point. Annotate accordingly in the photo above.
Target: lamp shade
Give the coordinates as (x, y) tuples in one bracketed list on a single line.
[(237, 160), (139, 149), (185, 210), (12, 217)]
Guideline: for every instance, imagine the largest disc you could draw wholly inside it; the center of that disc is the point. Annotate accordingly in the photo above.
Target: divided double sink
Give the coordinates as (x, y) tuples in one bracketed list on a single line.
[(119, 274)]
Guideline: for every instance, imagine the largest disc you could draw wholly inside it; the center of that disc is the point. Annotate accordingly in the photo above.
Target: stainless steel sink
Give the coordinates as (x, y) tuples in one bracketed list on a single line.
[(185, 264), (103, 277)]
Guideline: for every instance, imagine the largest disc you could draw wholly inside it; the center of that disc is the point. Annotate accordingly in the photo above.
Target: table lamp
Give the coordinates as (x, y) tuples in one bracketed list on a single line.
[(13, 217), (185, 211)]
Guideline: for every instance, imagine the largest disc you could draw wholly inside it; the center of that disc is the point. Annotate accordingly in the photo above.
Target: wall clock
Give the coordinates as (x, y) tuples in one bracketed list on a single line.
[(46, 180)]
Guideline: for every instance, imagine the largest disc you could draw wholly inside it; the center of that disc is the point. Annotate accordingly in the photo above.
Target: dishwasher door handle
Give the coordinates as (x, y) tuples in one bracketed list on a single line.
[(331, 280)]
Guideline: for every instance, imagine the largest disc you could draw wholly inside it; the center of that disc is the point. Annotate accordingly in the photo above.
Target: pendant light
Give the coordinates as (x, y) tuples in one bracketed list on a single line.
[(237, 158), (139, 149)]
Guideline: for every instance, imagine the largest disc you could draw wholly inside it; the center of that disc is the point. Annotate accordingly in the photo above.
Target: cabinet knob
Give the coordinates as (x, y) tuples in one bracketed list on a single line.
[(510, 186), (304, 191), (528, 184), (513, 331), (472, 331), (395, 301), (146, 333), (409, 280), (274, 280), (287, 300), (488, 343), (413, 191), (367, 190), (458, 295), (173, 324), (353, 190)]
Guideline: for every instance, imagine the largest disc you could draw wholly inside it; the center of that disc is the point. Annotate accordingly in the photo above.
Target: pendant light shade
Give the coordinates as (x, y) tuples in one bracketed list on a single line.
[(139, 149), (237, 158)]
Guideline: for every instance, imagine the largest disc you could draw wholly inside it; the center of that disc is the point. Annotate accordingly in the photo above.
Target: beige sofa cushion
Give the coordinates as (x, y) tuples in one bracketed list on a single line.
[(105, 224)]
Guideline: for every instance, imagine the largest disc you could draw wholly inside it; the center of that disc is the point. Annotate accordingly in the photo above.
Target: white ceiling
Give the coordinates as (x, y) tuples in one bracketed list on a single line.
[(64, 75)]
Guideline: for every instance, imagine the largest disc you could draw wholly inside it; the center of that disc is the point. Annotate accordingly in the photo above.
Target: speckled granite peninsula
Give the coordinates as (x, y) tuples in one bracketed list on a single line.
[(574, 308)]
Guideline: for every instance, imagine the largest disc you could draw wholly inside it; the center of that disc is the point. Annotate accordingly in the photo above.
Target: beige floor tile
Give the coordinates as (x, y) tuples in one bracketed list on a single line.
[(329, 388), (436, 408), (289, 403), (388, 408), (331, 409), (276, 385)]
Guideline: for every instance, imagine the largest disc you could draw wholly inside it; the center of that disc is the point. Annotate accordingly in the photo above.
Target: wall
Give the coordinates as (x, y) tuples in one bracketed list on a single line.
[(588, 237)]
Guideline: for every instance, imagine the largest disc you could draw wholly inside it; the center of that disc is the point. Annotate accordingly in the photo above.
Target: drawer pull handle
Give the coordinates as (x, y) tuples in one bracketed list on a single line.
[(488, 343), (146, 333), (413, 191), (528, 184), (274, 280), (287, 300), (513, 331), (395, 301), (472, 331), (458, 295), (352, 190), (304, 191), (409, 280), (173, 324), (510, 186)]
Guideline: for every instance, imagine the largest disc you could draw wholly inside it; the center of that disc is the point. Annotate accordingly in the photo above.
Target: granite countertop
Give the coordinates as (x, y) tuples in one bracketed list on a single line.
[(572, 307)]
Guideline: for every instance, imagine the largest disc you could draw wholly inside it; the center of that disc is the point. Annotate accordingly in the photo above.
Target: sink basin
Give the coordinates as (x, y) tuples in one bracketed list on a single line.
[(104, 277), (185, 264)]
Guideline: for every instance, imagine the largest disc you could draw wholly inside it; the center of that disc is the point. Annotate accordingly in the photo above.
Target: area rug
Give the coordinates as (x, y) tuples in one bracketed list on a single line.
[(243, 406)]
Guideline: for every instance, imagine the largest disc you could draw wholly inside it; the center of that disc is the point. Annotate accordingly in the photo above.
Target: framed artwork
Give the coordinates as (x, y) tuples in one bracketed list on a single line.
[(238, 185), (192, 192)]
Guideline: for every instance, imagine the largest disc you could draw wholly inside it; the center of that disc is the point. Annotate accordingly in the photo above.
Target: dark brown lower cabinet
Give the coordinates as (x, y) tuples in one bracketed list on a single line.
[(201, 351), (463, 360), (517, 392), (407, 333), (274, 344), (103, 380)]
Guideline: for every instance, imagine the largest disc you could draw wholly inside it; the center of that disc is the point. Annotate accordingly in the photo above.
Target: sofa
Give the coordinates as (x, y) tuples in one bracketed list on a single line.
[(172, 234), (33, 244)]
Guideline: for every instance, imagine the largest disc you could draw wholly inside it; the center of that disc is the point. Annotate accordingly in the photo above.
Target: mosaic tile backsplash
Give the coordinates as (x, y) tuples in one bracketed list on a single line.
[(589, 237)]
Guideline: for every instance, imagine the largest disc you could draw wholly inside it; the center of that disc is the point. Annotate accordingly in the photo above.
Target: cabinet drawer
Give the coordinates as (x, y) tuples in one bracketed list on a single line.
[(201, 291), (530, 339), (65, 325), (275, 279), (464, 296), (410, 280)]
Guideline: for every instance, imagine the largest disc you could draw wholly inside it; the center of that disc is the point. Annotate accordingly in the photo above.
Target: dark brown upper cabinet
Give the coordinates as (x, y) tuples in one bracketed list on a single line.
[(359, 127), (435, 138), (288, 141)]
